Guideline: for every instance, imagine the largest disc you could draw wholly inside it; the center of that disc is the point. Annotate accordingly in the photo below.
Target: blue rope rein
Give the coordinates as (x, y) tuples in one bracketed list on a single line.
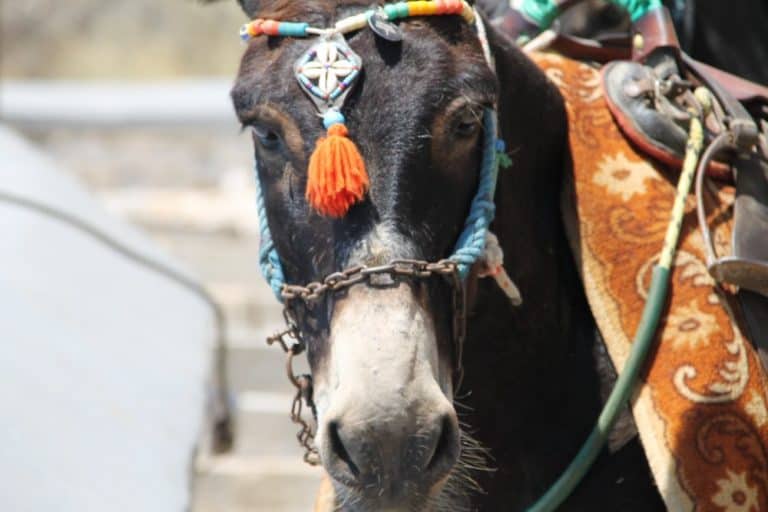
[(471, 241)]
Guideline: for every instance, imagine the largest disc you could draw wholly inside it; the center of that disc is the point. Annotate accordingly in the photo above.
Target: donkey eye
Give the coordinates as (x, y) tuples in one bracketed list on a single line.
[(268, 139), (467, 125)]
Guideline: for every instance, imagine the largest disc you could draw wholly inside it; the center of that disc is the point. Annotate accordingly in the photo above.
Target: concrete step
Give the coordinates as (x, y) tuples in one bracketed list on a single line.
[(234, 483), (217, 257), (253, 365), (251, 368), (251, 305), (209, 210), (214, 230), (263, 427), (228, 264), (112, 160)]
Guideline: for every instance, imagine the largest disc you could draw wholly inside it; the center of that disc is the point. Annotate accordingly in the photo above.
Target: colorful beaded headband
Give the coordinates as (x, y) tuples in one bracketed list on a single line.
[(391, 12), (336, 177)]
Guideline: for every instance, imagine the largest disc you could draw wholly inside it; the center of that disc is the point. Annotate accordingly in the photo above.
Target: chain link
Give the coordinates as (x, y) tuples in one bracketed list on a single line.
[(292, 343)]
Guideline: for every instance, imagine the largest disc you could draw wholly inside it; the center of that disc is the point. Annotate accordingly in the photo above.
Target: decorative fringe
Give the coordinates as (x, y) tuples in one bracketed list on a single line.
[(337, 178), (492, 265)]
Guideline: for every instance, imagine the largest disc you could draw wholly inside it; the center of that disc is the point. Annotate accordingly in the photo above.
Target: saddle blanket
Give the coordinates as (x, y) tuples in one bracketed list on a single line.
[(701, 410)]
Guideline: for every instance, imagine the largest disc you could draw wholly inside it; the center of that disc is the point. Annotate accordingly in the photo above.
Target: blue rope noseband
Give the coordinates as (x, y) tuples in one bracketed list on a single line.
[(471, 241), (269, 261)]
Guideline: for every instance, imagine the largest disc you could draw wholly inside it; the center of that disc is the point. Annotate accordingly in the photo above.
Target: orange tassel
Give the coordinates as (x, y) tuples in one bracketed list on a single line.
[(337, 178)]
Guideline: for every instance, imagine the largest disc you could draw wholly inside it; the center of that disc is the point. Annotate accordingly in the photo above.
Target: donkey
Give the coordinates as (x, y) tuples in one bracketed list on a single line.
[(394, 433)]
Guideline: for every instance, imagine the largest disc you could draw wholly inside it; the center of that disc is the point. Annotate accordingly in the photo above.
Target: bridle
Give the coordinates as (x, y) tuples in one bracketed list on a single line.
[(454, 269)]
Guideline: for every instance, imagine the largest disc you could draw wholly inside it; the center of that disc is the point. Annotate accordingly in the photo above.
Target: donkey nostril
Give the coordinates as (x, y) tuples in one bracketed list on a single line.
[(446, 451), (338, 449)]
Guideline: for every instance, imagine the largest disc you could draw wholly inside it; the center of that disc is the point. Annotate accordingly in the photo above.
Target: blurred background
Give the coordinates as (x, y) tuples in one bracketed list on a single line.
[(129, 100)]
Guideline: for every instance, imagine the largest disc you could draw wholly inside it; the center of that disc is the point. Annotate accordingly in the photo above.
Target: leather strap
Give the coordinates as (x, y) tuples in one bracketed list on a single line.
[(742, 90), (589, 49), (744, 130), (754, 308), (654, 30)]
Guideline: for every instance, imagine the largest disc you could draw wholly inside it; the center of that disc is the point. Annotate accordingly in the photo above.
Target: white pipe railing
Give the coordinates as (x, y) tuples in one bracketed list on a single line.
[(46, 104)]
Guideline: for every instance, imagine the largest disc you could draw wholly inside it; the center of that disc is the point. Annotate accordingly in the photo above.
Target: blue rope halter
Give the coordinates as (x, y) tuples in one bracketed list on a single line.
[(471, 241)]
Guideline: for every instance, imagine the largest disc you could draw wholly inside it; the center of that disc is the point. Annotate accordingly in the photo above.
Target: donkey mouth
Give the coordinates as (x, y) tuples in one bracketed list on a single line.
[(403, 497), (397, 498), (451, 492)]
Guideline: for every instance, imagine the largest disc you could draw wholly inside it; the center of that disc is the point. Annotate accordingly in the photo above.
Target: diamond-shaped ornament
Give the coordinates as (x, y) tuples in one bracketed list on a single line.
[(327, 72)]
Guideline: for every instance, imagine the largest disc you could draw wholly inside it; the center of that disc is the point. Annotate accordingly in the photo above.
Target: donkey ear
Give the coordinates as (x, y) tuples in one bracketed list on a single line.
[(249, 6)]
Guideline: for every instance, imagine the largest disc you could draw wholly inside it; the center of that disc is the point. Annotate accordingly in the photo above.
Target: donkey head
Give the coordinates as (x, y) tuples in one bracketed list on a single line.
[(381, 357)]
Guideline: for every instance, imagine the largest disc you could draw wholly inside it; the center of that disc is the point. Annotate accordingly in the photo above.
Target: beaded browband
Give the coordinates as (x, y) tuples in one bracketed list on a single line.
[(391, 12)]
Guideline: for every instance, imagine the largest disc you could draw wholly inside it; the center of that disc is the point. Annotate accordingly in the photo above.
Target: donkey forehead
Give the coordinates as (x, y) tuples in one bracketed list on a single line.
[(438, 60)]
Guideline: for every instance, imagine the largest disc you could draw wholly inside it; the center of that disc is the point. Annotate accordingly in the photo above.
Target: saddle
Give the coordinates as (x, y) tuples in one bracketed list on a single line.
[(648, 82)]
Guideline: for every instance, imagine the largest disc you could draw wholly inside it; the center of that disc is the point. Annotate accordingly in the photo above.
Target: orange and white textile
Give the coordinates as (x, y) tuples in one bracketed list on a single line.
[(701, 411)]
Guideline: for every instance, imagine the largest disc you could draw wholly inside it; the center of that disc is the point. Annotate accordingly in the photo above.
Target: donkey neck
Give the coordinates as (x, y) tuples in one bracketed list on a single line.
[(533, 388)]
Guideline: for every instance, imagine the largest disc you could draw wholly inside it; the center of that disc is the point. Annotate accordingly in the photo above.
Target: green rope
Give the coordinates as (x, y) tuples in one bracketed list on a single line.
[(638, 8), (541, 12), (544, 12), (644, 336)]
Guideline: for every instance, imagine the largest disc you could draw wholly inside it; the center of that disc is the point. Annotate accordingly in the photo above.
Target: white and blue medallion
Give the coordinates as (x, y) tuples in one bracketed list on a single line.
[(327, 71)]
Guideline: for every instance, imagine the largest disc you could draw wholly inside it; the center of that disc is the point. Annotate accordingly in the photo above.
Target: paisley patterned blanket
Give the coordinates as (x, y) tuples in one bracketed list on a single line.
[(702, 411)]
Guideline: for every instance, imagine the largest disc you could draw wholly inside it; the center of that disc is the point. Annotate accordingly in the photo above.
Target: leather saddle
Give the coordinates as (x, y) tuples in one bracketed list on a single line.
[(646, 78)]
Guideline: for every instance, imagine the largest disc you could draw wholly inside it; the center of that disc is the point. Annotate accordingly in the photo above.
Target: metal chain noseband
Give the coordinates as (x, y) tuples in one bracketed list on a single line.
[(303, 385), (391, 274)]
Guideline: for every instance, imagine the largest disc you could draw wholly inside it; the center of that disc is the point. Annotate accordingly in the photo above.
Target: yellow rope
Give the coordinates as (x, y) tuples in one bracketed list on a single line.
[(692, 152)]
